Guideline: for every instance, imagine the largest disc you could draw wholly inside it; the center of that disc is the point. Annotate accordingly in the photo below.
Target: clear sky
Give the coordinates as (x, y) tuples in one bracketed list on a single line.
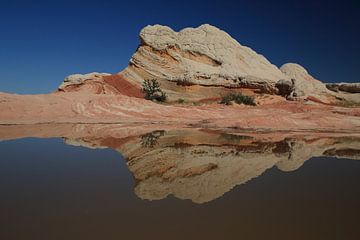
[(41, 42)]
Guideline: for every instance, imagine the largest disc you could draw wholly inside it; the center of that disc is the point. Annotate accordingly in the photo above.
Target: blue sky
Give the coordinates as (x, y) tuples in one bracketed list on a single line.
[(41, 42)]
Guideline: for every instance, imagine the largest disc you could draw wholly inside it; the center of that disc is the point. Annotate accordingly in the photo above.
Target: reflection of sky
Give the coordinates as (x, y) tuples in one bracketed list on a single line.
[(49, 189), (41, 42)]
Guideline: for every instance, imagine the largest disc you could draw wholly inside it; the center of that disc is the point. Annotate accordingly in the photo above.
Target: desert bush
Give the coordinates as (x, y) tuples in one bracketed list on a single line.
[(149, 140), (152, 91), (227, 99), (237, 98)]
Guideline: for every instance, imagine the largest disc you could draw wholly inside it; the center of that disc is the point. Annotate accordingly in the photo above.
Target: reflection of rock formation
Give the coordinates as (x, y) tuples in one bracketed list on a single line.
[(198, 172), (200, 165)]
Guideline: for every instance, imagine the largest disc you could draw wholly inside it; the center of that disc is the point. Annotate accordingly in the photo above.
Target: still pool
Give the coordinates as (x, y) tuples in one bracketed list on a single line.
[(179, 184)]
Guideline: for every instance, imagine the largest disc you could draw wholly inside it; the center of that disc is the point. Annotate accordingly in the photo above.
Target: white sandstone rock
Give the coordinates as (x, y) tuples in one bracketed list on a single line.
[(80, 78), (344, 87), (209, 56), (205, 55), (304, 84)]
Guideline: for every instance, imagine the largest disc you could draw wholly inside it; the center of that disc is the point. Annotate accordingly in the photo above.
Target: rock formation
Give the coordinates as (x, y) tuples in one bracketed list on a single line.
[(204, 63), (344, 87), (76, 79), (100, 83), (208, 56), (303, 84), (204, 56)]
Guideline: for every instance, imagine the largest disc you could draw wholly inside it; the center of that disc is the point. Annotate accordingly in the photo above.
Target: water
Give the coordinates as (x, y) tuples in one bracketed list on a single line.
[(118, 182)]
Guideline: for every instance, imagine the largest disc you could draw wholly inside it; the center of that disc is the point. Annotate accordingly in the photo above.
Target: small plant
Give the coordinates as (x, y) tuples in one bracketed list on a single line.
[(152, 91), (149, 140), (237, 98), (227, 99)]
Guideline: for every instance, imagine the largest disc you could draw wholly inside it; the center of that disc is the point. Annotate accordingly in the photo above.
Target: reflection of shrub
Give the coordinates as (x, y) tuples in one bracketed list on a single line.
[(152, 91), (149, 140), (234, 137), (237, 98)]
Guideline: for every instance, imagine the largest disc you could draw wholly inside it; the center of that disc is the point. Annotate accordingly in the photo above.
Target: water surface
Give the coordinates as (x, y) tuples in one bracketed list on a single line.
[(177, 184)]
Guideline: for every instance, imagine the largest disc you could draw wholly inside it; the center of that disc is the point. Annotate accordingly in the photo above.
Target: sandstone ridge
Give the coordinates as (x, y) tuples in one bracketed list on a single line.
[(204, 63), (204, 56)]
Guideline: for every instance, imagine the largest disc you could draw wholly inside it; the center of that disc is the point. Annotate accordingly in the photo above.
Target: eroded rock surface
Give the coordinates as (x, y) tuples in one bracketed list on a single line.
[(207, 52), (208, 56), (305, 85), (344, 87), (75, 79), (205, 63), (205, 55), (100, 83)]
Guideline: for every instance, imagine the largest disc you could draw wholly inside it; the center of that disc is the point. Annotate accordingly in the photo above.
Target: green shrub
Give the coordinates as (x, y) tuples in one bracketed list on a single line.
[(237, 98), (152, 91), (149, 140), (227, 99)]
